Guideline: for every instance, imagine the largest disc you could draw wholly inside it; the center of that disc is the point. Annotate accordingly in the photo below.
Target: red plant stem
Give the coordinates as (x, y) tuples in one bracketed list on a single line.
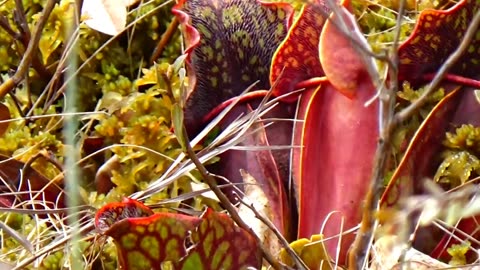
[(454, 78), (247, 97), (310, 83)]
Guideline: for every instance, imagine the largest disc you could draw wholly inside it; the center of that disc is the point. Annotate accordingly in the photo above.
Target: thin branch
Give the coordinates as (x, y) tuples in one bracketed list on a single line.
[(357, 258), (23, 38), (21, 21), (166, 37), (30, 54), (398, 33), (6, 26)]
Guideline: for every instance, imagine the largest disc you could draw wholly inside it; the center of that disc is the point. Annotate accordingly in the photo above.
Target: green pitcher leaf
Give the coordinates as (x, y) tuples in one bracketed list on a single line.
[(230, 47), (222, 245), (147, 240), (146, 243)]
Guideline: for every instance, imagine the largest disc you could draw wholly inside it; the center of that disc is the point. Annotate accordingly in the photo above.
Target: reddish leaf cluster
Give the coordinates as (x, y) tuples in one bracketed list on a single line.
[(296, 59), (118, 211), (295, 62), (29, 183), (147, 240), (436, 35), (231, 47)]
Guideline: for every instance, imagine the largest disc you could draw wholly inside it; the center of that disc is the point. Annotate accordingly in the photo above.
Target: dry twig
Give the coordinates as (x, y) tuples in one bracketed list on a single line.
[(30, 53), (166, 37)]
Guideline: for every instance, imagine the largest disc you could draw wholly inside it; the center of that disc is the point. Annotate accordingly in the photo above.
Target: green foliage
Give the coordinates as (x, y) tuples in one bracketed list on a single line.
[(378, 22), (109, 71), (53, 261), (466, 137), (457, 168), (55, 31), (26, 226), (402, 136), (458, 253), (410, 94), (114, 68), (136, 100), (460, 159), (26, 139), (137, 113), (144, 119)]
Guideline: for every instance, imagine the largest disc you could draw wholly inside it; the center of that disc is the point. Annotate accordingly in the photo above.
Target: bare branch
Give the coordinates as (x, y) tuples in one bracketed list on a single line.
[(21, 21), (30, 54), (358, 256), (7, 27), (166, 37)]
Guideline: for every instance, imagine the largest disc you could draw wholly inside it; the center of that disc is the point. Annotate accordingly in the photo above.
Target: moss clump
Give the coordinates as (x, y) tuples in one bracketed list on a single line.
[(53, 261), (460, 158), (143, 119), (465, 138), (458, 253), (28, 228), (112, 68), (379, 23), (401, 138)]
